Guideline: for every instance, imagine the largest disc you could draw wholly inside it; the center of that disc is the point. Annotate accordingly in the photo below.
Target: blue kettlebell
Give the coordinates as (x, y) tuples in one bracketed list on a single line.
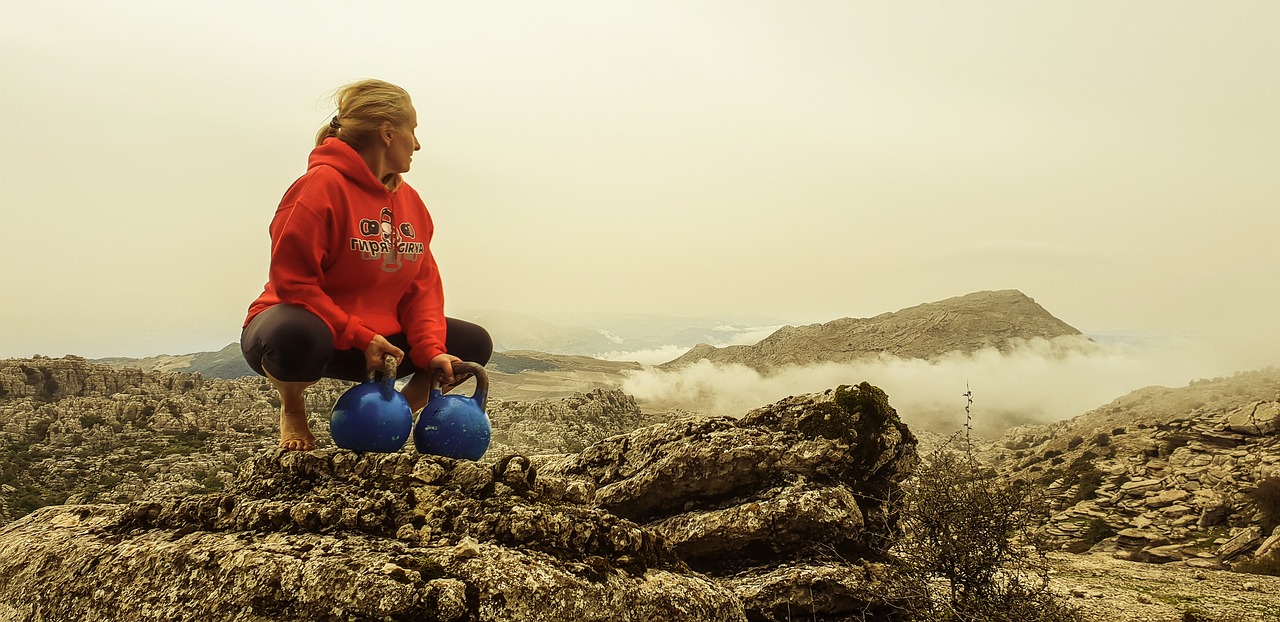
[(455, 426), (372, 416)]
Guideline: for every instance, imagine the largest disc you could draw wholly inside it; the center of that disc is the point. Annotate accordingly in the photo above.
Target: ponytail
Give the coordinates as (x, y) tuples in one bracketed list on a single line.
[(362, 108)]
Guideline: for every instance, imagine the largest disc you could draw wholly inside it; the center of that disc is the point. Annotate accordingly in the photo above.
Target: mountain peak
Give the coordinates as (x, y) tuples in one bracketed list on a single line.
[(963, 323)]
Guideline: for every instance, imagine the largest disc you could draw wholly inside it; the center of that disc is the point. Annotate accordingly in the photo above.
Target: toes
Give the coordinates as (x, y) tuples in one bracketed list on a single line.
[(297, 444)]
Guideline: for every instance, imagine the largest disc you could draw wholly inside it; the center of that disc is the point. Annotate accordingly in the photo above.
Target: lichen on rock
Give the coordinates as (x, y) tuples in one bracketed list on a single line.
[(691, 519)]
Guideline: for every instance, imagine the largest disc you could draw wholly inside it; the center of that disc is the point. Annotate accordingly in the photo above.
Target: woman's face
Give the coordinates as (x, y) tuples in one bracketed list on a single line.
[(403, 143)]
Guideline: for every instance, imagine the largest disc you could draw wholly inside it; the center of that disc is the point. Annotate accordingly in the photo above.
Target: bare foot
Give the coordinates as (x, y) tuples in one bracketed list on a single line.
[(295, 433)]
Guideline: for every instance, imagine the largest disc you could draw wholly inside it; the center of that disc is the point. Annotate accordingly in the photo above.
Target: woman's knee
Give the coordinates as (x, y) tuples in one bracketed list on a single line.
[(468, 341), (290, 343)]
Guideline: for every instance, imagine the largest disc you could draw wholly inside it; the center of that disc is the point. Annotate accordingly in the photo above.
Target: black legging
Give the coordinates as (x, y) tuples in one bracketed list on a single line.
[(296, 346)]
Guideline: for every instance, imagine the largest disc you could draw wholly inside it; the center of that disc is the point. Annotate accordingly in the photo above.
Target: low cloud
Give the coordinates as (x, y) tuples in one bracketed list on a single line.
[(651, 356), (1037, 381), (730, 335)]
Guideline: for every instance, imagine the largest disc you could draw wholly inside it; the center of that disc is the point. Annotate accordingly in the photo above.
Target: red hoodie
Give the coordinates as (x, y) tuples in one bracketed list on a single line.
[(357, 255)]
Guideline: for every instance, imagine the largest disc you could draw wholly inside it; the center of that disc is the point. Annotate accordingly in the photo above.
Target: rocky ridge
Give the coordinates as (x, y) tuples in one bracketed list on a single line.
[(782, 512), (1161, 475), (998, 319), (225, 363), (1189, 425), (72, 431), (562, 426)]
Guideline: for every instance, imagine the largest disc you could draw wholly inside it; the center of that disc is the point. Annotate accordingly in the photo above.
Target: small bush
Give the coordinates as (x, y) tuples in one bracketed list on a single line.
[(1102, 439), (1267, 498), (1088, 482), (1075, 442), (1268, 565), (1195, 615), (1098, 531), (975, 530)]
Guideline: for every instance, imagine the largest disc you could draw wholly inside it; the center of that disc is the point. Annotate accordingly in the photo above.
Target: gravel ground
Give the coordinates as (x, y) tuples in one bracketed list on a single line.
[(1112, 590)]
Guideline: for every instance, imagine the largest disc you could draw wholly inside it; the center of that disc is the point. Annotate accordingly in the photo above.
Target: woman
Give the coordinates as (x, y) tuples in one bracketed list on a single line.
[(352, 278)]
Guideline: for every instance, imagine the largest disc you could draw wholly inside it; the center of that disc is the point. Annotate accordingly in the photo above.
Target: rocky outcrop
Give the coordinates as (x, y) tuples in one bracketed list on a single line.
[(72, 431), (1165, 475), (998, 319), (76, 432), (783, 513), (225, 363), (805, 484), (332, 535), (560, 426)]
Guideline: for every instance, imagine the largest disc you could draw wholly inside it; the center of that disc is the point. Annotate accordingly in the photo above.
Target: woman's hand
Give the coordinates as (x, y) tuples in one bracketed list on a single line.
[(377, 350), (442, 366)]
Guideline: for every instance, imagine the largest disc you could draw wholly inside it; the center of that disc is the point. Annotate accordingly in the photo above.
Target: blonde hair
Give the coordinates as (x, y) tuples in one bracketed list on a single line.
[(362, 107)]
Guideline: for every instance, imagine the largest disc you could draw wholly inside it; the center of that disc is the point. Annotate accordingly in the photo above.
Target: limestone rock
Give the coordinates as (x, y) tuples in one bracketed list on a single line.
[(83, 433), (312, 536), (806, 591), (1240, 542), (1269, 545), (1257, 419), (1176, 464), (693, 519), (796, 483)]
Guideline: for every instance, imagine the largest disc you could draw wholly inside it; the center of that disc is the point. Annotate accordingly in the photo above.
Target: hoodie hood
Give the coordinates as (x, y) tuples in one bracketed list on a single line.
[(339, 155)]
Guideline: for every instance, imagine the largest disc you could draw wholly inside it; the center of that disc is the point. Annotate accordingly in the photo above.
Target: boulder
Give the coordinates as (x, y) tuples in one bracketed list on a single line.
[(1239, 542), (1260, 418), (809, 472)]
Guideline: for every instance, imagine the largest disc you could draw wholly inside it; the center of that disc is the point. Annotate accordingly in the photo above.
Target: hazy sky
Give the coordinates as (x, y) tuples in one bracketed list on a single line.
[(1117, 161)]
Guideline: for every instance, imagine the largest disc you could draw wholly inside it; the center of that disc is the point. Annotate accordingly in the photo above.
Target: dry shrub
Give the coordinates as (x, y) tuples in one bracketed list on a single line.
[(969, 538), (1267, 497)]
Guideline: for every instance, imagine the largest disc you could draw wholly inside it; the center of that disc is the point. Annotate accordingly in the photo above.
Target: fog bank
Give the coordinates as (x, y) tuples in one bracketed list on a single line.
[(1037, 381)]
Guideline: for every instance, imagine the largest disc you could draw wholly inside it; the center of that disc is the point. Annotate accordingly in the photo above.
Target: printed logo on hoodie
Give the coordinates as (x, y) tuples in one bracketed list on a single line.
[(383, 240)]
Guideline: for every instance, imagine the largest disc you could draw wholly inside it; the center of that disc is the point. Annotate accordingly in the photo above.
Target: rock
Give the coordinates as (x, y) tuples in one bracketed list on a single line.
[(1166, 498), (1223, 438), (1179, 463), (1141, 485), (1166, 553), (808, 591), (561, 426), (1213, 514), (760, 505), (1239, 542), (304, 543), (777, 524), (808, 471), (1269, 544), (1132, 539), (1256, 419)]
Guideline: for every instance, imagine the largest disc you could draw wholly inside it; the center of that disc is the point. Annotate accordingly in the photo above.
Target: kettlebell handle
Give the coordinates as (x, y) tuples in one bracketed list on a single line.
[(467, 367), (388, 377)]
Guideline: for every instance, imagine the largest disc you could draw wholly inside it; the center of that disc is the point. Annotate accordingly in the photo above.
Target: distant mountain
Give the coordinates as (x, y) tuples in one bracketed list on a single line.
[(964, 323), (225, 363)]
